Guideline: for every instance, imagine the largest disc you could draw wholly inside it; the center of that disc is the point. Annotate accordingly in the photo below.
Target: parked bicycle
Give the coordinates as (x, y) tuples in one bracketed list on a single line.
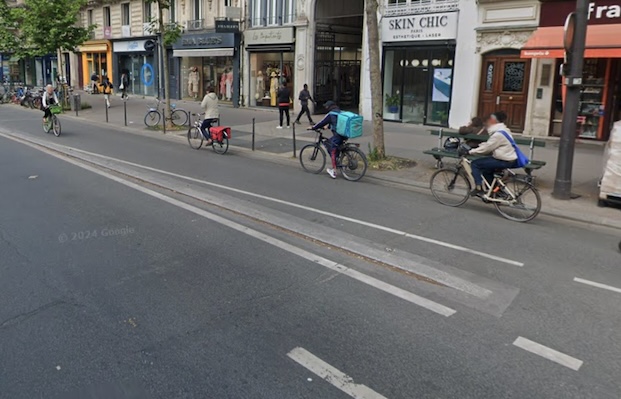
[(514, 196), (52, 123), (219, 136), (178, 116), (351, 161)]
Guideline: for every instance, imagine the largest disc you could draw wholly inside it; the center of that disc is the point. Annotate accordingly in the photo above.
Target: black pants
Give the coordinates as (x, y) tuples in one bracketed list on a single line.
[(284, 110), (306, 111), (206, 125)]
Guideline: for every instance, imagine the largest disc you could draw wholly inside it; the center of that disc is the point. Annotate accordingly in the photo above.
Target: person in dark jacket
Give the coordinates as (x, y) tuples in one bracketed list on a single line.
[(304, 97), (284, 99), (332, 145), (474, 127)]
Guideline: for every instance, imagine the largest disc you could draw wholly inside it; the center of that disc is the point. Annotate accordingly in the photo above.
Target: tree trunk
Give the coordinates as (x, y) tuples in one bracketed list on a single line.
[(162, 49), (377, 104)]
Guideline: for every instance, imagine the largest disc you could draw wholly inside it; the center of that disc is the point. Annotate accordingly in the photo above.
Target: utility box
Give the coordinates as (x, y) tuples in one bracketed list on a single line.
[(76, 102)]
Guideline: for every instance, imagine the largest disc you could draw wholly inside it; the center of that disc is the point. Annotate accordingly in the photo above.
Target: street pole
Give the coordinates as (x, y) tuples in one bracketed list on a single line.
[(573, 82)]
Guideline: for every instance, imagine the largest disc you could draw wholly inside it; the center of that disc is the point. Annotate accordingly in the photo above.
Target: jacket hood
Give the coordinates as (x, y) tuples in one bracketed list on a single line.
[(212, 95)]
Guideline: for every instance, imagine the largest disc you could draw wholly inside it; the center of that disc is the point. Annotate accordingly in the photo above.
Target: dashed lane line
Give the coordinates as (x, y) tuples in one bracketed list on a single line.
[(548, 353)]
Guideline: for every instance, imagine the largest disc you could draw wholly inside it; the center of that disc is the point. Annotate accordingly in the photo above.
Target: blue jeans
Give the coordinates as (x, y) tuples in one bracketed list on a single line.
[(206, 125), (485, 167), (332, 145)]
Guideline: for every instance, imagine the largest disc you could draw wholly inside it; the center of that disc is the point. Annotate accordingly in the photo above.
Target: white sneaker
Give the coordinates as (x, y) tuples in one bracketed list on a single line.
[(278, 127), (288, 127), (331, 172)]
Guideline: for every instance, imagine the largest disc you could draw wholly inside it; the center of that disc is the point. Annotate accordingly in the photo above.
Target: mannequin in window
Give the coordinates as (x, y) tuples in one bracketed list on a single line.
[(223, 85), (229, 84), (273, 88), (260, 86), (193, 79)]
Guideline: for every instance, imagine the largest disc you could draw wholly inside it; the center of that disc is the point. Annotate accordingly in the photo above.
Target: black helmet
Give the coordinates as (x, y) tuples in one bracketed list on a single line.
[(451, 144)]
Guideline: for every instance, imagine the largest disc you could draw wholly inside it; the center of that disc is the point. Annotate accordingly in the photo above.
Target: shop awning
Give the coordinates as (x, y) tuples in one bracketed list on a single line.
[(93, 48), (602, 41), (205, 52)]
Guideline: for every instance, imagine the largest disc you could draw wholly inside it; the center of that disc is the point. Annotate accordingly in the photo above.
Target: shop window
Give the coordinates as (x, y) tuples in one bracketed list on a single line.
[(106, 17), (198, 73), (514, 77), (267, 71)]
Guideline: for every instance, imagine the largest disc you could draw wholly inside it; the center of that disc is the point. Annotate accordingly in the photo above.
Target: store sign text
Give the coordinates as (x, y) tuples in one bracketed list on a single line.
[(201, 41), (607, 12), (269, 36), (420, 27)]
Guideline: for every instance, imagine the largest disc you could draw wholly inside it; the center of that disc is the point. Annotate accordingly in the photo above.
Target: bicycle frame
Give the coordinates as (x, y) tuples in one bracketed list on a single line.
[(496, 185)]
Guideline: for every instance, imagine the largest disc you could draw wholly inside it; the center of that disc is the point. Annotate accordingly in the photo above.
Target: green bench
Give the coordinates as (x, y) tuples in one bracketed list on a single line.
[(439, 152)]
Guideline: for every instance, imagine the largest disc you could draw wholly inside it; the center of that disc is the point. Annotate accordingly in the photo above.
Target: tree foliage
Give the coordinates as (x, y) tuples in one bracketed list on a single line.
[(45, 26), (8, 40)]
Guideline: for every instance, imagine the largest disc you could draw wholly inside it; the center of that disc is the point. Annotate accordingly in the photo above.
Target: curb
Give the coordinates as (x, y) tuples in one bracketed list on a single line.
[(287, 159)]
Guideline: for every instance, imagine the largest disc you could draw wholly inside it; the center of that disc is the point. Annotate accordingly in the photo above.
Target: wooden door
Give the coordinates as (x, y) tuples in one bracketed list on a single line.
[(504, 86)]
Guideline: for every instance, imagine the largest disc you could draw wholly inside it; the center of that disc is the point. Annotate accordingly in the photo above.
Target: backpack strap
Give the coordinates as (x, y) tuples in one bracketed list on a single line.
[(508, 137)]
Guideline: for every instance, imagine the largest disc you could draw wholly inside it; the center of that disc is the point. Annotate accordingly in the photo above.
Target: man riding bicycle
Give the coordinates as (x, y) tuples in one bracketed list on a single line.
[(49, 98), (503, 154), (333, 144)]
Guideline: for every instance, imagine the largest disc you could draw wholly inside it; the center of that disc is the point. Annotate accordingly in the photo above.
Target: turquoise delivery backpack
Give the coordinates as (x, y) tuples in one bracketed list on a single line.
[(348, 124)]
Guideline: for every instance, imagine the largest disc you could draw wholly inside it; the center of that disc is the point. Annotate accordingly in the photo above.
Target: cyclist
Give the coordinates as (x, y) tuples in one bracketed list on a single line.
[(333, 144), (503, 156), (49, 98), (212, 112)]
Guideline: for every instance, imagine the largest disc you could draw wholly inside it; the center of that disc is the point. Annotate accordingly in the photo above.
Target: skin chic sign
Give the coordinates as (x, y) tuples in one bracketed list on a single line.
[(440, 26)]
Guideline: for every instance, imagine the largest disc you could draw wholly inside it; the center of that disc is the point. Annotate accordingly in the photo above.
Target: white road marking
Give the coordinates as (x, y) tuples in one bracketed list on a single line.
[(314, 210), (598, 285), (388, 288), (548, 353), (332, 375)]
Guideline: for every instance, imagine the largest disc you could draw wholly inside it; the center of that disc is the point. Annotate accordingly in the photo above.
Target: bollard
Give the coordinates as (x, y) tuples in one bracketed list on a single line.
[(106, 107), (294, 149), (125, 110), (252, 134), (164, 119)]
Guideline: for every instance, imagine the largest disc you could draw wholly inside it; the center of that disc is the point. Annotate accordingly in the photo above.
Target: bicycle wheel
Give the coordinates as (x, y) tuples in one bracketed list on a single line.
[(524, 207), (221, 147), (55, 125), (195, 138), (47, 126), (353, 164), (313, 158), (450, 187), (179, 117), (152, 118)]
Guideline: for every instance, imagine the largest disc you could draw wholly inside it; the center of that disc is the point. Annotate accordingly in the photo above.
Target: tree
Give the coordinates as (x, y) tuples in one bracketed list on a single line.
[(168, 33), (377, 104), (48, 26), (7, 28)]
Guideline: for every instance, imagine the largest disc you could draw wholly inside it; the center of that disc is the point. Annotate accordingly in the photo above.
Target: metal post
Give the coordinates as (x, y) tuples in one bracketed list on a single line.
[(75, 102), (562, 182), (294, 149), (253, 134), (164, 118), (125, 110), (106, 107)]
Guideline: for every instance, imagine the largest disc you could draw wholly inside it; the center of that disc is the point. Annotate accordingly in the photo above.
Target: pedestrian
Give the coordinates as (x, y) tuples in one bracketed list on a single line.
[(475, 127), (304, 97), (124, 83), (106, 86), (212, 112), (284, 100), (94, 80)]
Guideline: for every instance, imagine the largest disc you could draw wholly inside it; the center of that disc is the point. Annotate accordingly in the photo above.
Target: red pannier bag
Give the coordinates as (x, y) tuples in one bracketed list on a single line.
[(217, 132)]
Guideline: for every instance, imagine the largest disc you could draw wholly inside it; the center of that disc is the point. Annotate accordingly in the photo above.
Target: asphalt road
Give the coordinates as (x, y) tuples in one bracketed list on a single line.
[(126, 282)]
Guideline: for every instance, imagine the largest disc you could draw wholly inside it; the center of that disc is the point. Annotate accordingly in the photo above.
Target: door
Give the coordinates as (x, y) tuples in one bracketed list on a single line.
[(504, 86)]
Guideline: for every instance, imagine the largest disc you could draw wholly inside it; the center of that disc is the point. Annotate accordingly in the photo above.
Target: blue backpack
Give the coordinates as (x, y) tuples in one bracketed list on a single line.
[(348, 124)]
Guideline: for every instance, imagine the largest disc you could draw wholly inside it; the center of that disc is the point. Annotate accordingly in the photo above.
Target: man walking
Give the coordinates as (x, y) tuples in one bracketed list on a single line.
[(304, 97)]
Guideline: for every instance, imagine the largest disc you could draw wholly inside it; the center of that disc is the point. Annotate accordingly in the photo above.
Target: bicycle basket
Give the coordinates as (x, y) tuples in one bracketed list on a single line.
[(56, 109)]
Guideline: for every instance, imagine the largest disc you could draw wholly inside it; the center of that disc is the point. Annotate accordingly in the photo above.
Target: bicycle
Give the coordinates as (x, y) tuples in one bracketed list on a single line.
[(178, 116), (52, 122), (351, 161), (508, 191), (220, 144)]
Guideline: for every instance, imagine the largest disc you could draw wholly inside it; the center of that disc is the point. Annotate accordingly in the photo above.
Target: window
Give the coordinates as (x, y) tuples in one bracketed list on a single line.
[(288, 11), (272, 12), (256, 18), (228, 3), (173, 11), (146, 13), (106, 16), (125, 14), (396, 1), (197, 12), (89, 17)]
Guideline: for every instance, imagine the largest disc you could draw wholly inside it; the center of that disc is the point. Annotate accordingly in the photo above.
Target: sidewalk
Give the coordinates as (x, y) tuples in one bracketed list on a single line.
[(402, 140)]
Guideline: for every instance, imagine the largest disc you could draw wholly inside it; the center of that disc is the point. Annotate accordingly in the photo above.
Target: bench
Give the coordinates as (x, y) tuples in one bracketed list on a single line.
[(439, 152)]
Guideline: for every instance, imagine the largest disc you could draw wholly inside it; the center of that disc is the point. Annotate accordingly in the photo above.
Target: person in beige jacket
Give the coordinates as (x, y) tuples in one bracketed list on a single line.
[(212, 111), (503, 156)]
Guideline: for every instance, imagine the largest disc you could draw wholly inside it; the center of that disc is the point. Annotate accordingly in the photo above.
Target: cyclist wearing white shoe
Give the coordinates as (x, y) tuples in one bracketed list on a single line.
[(333, 144)]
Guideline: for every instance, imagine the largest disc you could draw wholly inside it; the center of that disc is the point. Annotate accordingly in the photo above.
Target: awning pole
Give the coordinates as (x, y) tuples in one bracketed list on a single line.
[(573, 81)]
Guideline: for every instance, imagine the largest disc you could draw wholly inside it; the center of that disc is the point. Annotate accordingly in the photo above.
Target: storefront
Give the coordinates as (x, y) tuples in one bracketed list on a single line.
[(96, 59), (419, 52), (46, 69), (599, 105), (138, 59), (209, 59), (271, 59)]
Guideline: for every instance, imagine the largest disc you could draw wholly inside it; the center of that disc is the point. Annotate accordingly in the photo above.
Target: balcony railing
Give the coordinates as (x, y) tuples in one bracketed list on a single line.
[(195, 24), (420, 6)]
